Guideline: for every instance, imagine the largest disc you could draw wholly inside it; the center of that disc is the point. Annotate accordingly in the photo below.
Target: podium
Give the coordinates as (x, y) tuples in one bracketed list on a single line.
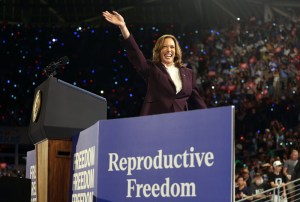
[(59, 111), (53, 170), (150, 158)]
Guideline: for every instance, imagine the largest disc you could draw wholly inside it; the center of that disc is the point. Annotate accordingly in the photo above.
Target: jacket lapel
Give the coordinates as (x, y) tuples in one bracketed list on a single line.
[(163, 69), (183, 77)]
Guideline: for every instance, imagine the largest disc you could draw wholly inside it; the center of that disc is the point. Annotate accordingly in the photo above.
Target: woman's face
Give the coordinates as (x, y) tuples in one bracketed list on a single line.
[(167, 52)]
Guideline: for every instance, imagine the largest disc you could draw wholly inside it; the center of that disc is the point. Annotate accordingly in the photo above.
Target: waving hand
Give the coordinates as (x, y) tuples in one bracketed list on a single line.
[(114, 18), (117, 19)]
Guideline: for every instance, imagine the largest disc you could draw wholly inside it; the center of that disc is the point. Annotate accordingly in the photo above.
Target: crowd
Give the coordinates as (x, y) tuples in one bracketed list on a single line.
[(252, 65), (12, 172)]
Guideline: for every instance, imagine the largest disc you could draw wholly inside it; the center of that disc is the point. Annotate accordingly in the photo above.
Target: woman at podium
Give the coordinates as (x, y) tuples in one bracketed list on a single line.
[(171, 87)]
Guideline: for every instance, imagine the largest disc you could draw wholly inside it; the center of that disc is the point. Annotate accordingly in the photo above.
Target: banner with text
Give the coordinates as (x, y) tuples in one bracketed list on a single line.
[(31, 173), (186, 157)]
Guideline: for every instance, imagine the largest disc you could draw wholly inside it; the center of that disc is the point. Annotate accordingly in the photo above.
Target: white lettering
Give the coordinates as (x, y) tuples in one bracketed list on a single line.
[(84, 158), (209, 156), (130, 187), (83, 197), (84, 180), (148, 162), (33, 188), (123, 164), (131, 164), (185, 163), (113, 159), (32, 171), (155, 190), (157, 161), (175, 190), (187, 159), (177, 165), (166, 190), (192, 164), (199, 158)]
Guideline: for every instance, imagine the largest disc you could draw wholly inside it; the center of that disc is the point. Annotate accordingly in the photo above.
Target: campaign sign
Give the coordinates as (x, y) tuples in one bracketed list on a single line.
[(185, 156), (84, 170), (31, 173)]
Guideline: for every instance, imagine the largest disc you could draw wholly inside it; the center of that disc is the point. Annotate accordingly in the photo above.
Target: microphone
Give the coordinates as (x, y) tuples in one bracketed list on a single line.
[(50, 69)]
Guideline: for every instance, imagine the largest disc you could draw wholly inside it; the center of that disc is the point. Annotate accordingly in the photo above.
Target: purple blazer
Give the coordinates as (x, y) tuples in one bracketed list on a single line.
[(161, 94)]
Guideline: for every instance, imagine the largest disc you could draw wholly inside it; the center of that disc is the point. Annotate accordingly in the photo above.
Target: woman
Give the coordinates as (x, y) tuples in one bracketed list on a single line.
[(171, 87)]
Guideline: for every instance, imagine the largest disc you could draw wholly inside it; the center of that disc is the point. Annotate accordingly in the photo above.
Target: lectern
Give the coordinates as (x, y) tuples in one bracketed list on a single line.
[(59, 111)]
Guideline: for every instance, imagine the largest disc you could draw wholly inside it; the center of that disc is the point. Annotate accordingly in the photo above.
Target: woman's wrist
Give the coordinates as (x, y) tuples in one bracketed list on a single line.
[(122, 26), (124, 31)]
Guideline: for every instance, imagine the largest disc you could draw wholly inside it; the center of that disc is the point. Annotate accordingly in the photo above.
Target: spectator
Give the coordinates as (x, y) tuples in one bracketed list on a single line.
[(278, 180), (258, 186), (288, 170), (242, 191), (296, 177), (246, 175)]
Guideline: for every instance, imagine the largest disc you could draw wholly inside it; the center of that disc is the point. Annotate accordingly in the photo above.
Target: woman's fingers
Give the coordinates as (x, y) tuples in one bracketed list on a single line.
[(107, 14), (111, 21), (116, 13), (114, 17)]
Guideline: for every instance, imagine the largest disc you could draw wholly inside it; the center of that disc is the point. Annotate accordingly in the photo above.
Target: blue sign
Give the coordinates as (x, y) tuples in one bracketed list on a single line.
[(186, 156), (85, 165), (31, 173)]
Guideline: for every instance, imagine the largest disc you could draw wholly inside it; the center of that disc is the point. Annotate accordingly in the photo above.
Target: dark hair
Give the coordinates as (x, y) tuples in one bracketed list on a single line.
[(159, 45), (238, 177)]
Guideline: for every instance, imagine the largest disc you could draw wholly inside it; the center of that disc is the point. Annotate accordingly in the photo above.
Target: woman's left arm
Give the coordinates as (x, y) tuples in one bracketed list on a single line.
[(196, 101)]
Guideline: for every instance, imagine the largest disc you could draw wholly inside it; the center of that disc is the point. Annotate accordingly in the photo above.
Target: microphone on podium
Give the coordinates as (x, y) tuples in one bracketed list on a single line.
[(50, 70)]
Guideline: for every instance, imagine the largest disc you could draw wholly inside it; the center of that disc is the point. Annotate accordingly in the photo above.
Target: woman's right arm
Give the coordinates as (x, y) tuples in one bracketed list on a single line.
[(135, 55)]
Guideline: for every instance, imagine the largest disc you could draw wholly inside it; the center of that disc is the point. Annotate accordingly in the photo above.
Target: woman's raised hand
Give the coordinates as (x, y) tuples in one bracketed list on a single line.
[(117, 19), (114, 18)]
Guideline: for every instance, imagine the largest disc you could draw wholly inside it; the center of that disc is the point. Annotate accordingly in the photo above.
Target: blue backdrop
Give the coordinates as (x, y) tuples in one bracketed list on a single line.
[(129, 159)]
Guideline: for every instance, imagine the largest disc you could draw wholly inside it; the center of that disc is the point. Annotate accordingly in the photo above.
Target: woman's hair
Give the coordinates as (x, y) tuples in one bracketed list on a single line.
[(159, 45)]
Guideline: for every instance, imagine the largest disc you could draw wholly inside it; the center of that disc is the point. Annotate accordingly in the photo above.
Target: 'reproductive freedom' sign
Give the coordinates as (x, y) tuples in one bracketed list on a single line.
[(186, 156)]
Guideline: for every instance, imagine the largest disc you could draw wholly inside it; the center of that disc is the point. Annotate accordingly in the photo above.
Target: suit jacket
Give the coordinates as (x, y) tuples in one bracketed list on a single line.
[(296, 173), (161, 94)]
